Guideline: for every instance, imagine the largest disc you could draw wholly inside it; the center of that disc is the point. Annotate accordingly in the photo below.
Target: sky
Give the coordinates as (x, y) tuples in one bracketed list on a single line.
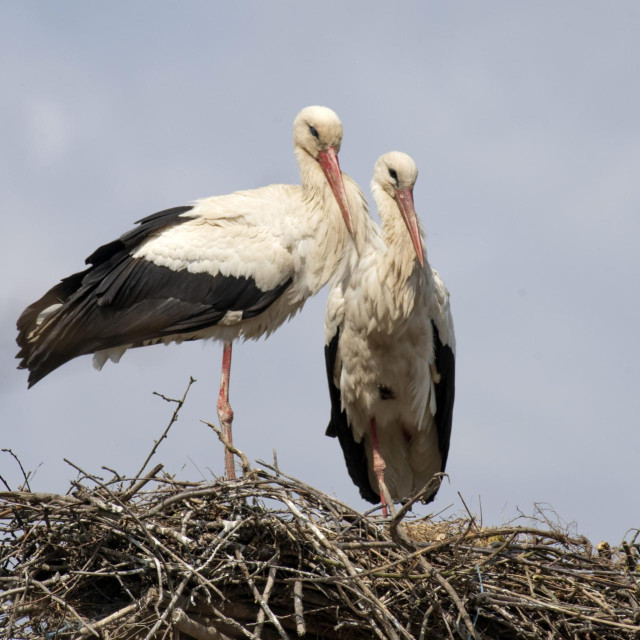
[(523, 121)]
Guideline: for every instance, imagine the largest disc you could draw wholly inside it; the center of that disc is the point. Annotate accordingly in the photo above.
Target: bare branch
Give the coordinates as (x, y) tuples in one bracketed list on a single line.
[(165, 433)]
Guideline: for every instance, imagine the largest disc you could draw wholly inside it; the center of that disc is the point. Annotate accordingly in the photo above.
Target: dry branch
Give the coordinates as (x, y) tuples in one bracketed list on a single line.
[(269, 557)]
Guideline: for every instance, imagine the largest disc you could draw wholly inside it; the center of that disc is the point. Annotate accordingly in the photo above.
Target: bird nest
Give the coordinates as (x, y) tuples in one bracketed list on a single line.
[(268, 556)]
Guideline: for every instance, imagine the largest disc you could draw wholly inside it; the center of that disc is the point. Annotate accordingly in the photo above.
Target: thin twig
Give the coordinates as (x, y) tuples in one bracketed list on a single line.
[(169, 608), (134, 488), (244, 461), (271, 579), (260, 599), (174, 418), (85, 623), (25, 475)]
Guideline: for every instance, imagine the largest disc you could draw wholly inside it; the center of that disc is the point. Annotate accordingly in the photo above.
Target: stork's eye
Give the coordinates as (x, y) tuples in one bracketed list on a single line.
[(314, 132), (394, 174)]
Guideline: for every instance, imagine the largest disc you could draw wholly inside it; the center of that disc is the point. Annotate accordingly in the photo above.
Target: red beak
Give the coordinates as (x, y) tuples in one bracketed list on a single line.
[(404, 198), (328, 160)]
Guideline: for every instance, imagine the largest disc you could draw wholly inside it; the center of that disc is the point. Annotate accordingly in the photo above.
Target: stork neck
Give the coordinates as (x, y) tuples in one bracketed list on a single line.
[(364, 228), (315, 187), (325, 218), (310, 171), (323, 222), (395, 234)]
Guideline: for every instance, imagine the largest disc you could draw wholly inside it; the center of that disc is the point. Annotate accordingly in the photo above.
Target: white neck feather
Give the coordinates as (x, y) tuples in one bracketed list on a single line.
[(325, 222), (401, 254)]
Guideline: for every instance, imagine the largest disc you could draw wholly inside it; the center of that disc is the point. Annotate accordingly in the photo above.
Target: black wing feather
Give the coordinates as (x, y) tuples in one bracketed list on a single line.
[(445, 393), (122, 300), (354, 452)]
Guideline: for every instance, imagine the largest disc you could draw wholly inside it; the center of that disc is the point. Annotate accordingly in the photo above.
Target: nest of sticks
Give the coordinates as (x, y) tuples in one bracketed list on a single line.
[(268, 556)]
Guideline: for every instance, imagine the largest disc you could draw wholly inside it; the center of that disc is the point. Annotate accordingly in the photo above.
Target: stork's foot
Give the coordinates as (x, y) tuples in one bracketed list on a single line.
[(378, 468)]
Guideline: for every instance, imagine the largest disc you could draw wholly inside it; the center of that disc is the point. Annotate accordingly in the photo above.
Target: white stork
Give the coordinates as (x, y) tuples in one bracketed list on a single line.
[(390, 350), (228, 266)]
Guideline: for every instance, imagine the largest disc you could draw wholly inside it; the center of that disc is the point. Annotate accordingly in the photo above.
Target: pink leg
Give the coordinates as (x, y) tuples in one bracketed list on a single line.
[(378, 464), (225, 413)]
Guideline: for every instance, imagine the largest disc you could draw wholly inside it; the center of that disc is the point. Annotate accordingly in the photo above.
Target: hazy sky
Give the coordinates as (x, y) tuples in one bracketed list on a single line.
[(523, 120)]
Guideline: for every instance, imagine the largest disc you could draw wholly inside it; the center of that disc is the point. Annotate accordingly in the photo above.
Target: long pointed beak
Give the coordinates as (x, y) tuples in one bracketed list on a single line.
[(328, 160), (404, 198)]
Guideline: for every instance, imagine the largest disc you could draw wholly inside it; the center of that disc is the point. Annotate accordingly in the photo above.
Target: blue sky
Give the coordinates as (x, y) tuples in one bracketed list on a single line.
[(523, 120)]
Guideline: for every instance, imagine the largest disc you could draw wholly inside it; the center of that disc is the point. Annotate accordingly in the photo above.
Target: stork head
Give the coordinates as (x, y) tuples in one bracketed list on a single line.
[(317, 131), (396, 173)]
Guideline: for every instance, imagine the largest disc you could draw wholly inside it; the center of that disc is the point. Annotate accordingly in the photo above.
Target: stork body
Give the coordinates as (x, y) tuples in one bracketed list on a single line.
[(225, 267), (390, 350)]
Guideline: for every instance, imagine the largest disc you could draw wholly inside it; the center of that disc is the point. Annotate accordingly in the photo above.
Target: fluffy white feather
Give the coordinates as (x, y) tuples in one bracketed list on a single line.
[(383, 306), (268, 234)]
